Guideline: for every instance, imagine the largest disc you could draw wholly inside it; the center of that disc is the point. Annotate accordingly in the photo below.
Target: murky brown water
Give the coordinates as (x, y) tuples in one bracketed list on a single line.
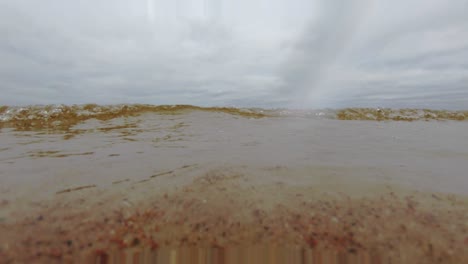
[(127, 156)]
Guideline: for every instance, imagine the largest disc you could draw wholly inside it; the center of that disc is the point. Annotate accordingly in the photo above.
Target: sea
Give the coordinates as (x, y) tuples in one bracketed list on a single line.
[(94, 144)]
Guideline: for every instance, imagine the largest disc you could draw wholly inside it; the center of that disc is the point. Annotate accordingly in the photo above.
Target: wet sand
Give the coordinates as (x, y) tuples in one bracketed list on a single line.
[(226, 211)]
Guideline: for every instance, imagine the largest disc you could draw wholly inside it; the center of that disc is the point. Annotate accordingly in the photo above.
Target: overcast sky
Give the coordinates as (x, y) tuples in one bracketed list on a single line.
[(265, 53)]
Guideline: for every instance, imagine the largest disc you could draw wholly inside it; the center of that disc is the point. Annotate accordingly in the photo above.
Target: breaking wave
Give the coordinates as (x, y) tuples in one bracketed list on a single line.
[(65, 116)]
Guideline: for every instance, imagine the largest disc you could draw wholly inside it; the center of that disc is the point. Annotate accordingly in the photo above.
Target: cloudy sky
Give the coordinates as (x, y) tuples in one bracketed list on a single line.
[(265, 53)]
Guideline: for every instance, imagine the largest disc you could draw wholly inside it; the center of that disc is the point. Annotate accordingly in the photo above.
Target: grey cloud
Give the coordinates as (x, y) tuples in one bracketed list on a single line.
[(315, 54), (320, 44)]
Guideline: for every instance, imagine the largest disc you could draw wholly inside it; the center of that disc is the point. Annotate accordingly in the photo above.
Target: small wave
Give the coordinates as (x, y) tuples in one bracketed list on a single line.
[(62, 117), (387, 114)]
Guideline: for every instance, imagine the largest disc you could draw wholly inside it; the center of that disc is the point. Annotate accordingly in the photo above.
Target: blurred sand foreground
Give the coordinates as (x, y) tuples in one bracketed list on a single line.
[(236, 215)]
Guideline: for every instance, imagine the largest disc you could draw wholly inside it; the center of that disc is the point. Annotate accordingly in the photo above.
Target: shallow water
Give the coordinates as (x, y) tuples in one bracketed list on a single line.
[(39, 160)]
